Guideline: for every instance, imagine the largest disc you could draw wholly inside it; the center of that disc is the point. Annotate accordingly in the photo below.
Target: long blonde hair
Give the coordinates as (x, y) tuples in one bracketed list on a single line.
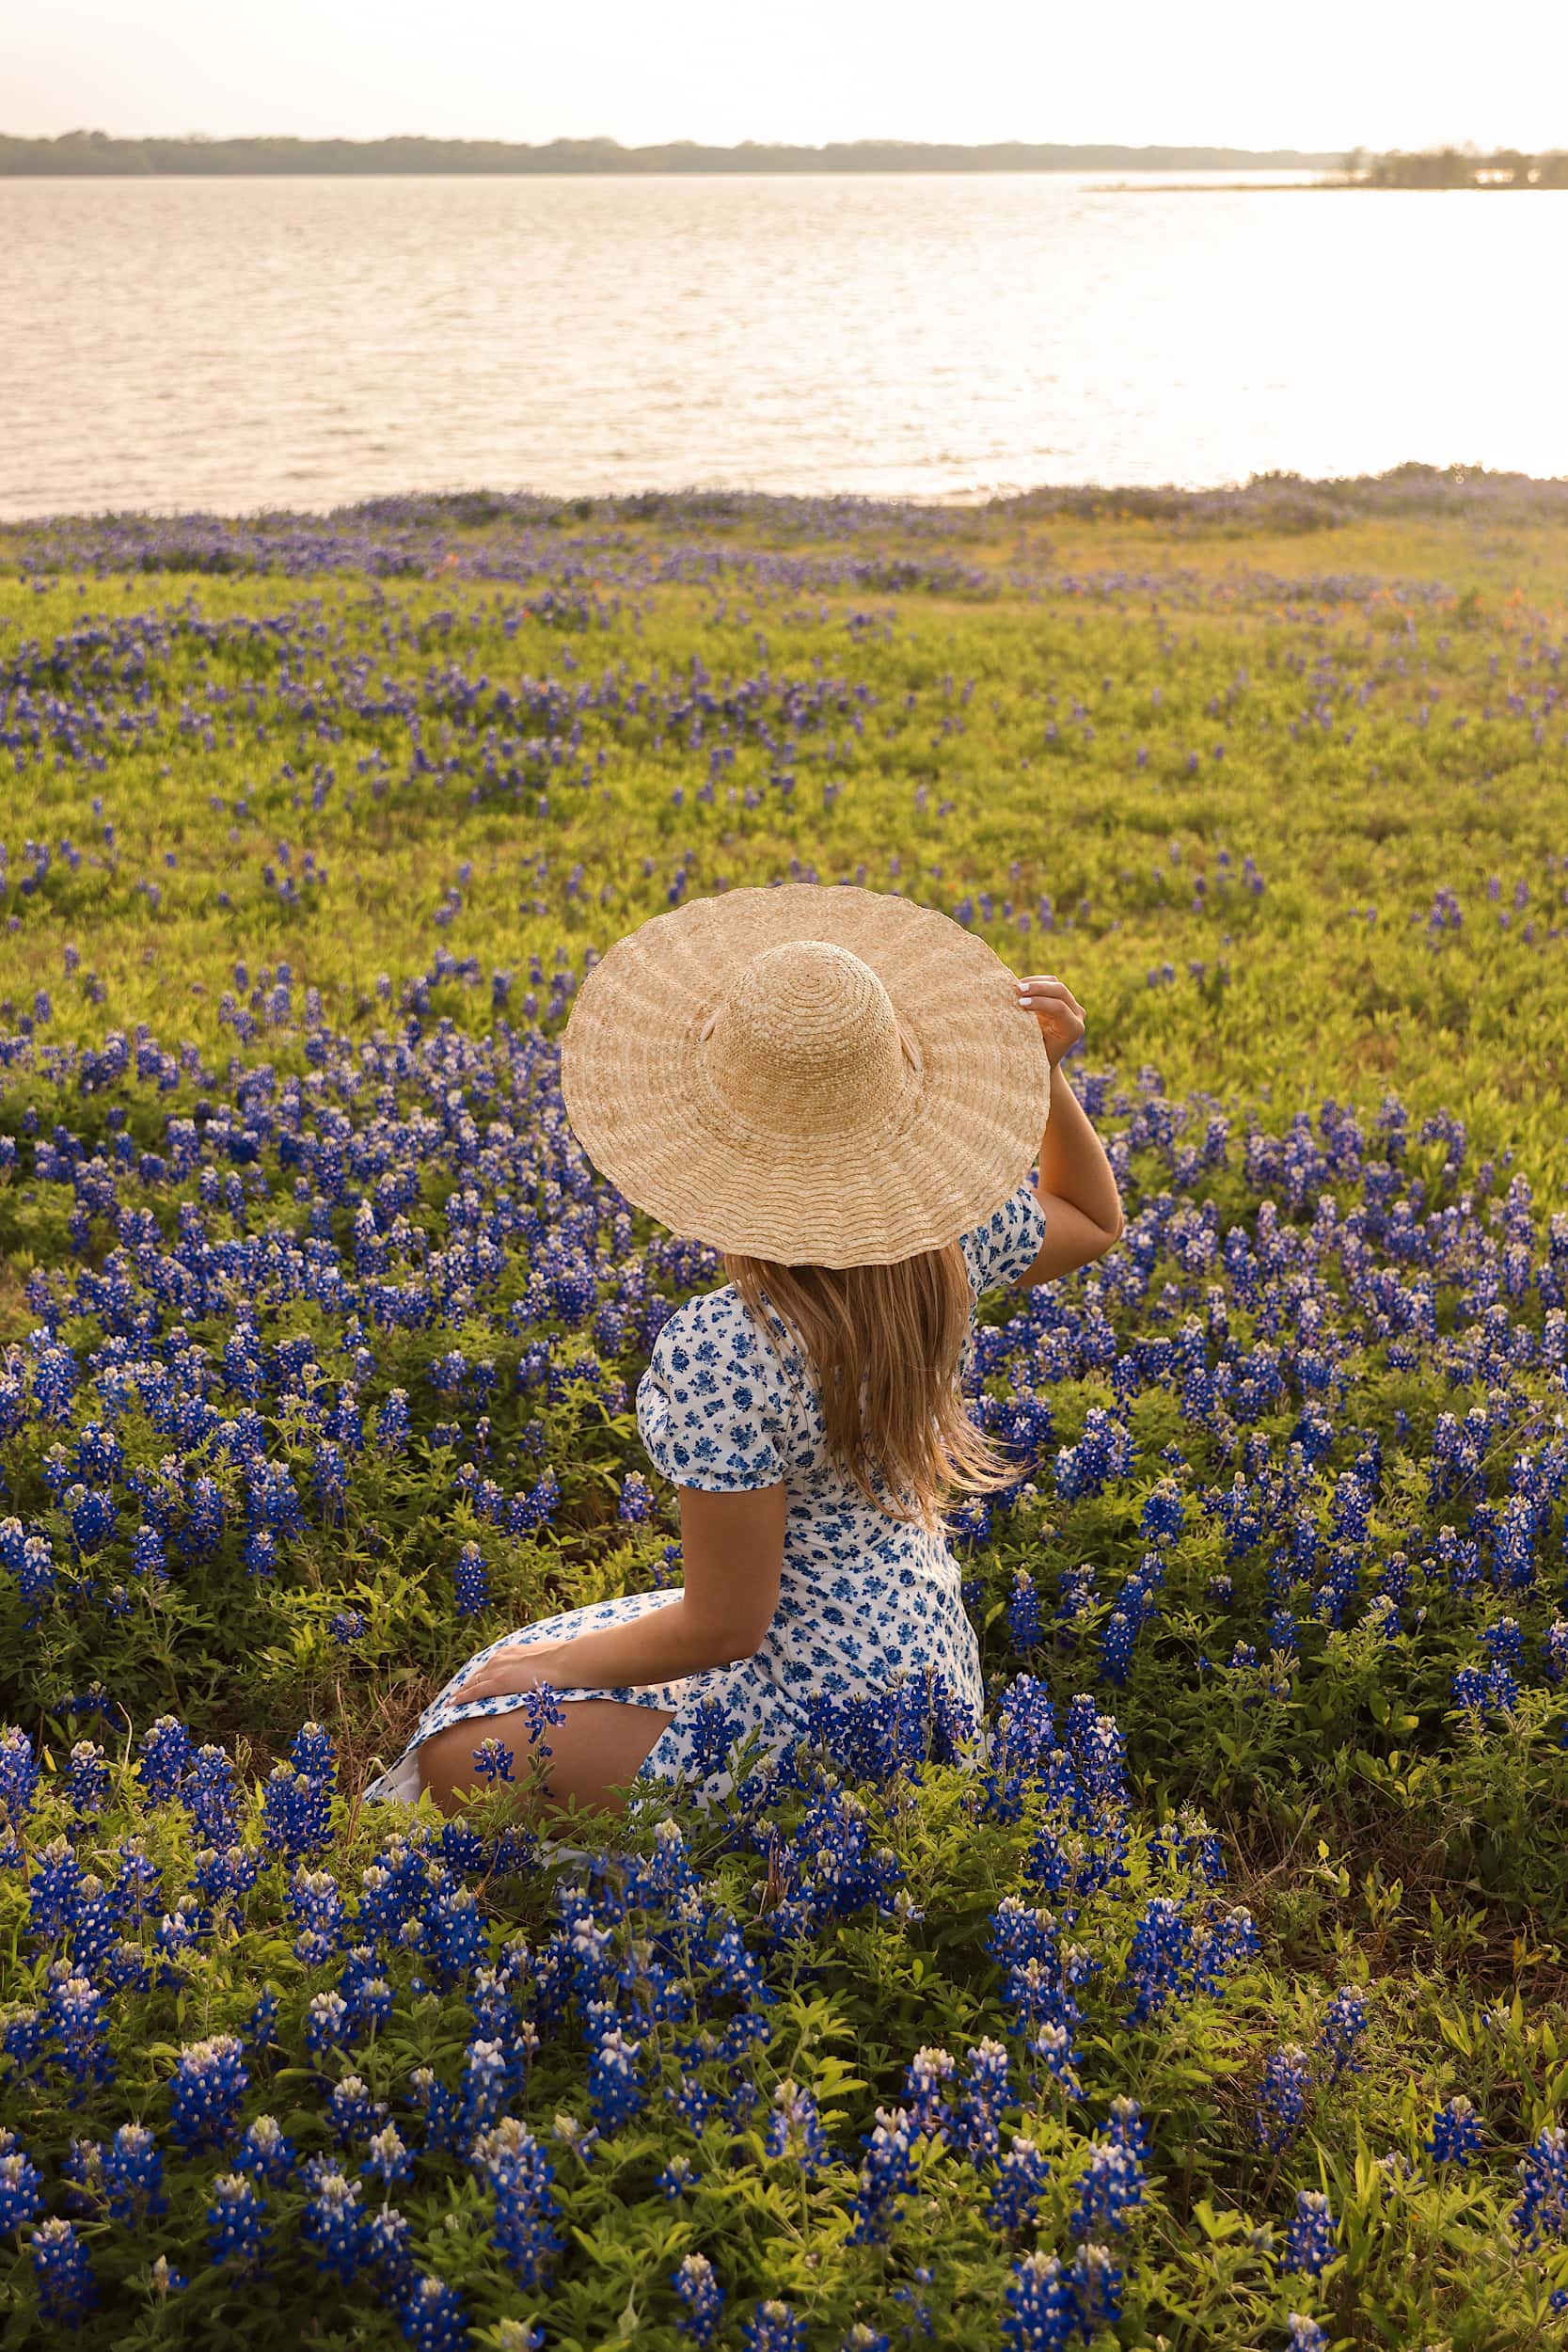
[(887, 1344)]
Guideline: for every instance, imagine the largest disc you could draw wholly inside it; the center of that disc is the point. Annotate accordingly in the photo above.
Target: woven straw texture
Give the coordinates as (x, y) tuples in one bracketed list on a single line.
[(814, 1074)]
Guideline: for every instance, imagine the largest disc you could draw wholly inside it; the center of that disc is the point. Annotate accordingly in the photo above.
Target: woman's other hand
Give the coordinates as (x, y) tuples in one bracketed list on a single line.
[(520, 1666), (1057, 1010)]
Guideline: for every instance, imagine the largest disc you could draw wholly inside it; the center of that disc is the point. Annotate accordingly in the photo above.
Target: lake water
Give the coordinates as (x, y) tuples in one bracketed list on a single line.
[(238, 343)]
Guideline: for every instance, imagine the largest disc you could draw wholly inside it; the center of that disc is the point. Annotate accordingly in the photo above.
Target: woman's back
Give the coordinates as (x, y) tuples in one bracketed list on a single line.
[(724, 1409)]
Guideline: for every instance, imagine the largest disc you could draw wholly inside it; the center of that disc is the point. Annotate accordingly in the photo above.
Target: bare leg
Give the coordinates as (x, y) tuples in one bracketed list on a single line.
[(599, 1748)]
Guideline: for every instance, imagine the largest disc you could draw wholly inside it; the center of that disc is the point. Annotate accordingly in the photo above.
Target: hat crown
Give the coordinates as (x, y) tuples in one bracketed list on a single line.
[(806, 1040)]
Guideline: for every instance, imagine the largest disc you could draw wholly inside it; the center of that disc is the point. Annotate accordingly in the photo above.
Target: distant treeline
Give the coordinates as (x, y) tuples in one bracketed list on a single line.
[(1459, 167), (94, 151)]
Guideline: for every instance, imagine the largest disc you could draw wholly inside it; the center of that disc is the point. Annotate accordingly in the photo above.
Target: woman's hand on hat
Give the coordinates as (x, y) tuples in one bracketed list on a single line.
[(1056, 1009)]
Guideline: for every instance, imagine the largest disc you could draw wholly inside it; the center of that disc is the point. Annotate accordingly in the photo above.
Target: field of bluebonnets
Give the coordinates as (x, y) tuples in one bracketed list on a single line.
[(1221, 2002)]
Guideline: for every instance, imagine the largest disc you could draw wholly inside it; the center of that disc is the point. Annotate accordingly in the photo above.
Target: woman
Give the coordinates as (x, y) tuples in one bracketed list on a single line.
[(843, 1092)]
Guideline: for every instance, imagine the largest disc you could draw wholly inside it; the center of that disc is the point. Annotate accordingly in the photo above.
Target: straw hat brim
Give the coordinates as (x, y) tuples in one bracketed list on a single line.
[(963, 1136)]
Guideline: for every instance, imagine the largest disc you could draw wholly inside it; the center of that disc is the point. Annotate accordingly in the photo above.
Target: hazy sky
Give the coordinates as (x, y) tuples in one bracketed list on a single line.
[(1332, 75)]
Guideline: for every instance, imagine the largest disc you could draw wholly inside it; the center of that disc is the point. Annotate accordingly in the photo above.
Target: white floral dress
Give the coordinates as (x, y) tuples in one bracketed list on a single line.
[(863, 1598)]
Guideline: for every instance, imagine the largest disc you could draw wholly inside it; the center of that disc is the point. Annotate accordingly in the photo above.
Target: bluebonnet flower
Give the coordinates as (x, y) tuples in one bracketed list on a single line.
[(1344, 2022), (1164, 1514), (983, 2096), (334, 2219), (18, 1775), (264, 2150), (433, 2317), (1104, 1452), (23, 2033), (1541, 2211), (350, 2110), (1304, 2334), (62, 2270), (210, 2080), (795, 2129), (1283, 1638), (388, 2259), (163, 1758), (1454, 2136), (1020, 2179), (329, 1476), (79, 2012), (1309, 2242), (237, 2226), (1097, 2286), (210, 1796), (1043, 2313), (637, 1499), (774, 2328), (132, 2175), (926, 2080), (205, 1518), (493, 1761), (1025, 1629), (292, 1823), (21, 2191), (1282, 2097), (261, 2019), (1476, 1690), (1111, 2184), (347, 1626), (1161, 1955), (484, 2081), (391, 1422), (679, 2175), (92, 1511), (528, 2211), (472, 1583), (615, 2091), (260, 1552), (541, 1708), (1504, 1641), (887, 2174), (328, 2022), (702, 2297)]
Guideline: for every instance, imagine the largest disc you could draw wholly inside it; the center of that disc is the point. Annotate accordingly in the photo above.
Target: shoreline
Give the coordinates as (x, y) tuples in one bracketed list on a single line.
[(1413, 482)]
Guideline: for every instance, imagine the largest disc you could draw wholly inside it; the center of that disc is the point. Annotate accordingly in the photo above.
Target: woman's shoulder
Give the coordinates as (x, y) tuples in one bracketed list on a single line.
[(714, 1332), (713, 1406)]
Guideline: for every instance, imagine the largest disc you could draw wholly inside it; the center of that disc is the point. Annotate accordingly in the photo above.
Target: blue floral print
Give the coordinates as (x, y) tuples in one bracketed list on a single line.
[(863, 1598)]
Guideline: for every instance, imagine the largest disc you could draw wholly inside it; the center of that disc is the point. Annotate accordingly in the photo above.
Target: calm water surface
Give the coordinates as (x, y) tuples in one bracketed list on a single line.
[(241, 343)]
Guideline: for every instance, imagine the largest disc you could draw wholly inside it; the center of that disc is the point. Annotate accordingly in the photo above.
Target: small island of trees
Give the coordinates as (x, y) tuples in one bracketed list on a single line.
[(1458, 167)]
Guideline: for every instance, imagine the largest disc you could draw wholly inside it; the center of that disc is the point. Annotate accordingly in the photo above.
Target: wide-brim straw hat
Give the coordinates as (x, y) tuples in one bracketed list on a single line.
[(810, 1075)]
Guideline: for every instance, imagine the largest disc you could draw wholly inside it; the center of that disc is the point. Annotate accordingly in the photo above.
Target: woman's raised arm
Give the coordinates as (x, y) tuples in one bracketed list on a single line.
[(1076, 1187)]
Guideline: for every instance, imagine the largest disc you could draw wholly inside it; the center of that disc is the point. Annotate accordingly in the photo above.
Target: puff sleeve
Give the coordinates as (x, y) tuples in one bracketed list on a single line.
[(1008, 1242), (711, 1406)]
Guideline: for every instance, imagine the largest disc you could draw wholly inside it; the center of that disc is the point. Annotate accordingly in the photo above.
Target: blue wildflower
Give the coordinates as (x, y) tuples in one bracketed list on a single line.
[(237, 2226), (472, 1581), (702, 2297), (433, 2317), (209, 2081), (1282, 2097), (1309, 2242), (1541, 2211), (62, 2270), (1454, 2136), (774, 2328)]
